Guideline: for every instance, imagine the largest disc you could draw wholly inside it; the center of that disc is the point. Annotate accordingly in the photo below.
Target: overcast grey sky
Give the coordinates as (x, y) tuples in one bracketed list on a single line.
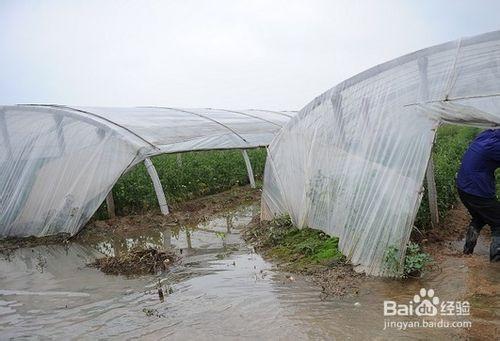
[(222, 54)]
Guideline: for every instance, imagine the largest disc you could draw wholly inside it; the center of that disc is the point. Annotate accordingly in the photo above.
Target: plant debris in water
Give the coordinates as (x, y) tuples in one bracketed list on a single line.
[(10, 244), (152, 312), (136, 262), (306, 251)]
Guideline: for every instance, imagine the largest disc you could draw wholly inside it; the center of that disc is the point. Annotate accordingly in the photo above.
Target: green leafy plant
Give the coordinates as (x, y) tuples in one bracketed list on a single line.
[(279, 229), (451, 143), (198, 174), (220, 235), (414, 263), (391, 259)]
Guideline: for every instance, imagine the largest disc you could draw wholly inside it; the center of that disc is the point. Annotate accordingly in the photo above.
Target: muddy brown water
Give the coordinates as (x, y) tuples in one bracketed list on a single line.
[(221, 290)]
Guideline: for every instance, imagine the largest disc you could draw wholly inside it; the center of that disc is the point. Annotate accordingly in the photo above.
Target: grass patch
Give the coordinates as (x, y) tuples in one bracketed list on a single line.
[(306, 251), (301, 249)]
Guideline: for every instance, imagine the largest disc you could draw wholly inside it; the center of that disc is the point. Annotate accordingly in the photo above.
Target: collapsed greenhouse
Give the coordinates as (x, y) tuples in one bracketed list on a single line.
[(58, 163), (352, 162)]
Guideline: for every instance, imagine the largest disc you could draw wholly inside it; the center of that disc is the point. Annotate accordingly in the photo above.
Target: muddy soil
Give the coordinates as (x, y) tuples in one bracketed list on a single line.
[(335, 278), (479, 277), (470, 278), (222, 289), (189, 214), (447, 242), (7, 245)]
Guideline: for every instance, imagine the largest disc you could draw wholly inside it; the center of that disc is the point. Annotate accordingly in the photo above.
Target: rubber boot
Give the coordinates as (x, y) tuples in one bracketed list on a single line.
[(471, 240), (495, 249)]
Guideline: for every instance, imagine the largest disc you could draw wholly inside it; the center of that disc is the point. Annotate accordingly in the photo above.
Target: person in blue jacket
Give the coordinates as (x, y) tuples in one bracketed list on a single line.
[(476, 188)]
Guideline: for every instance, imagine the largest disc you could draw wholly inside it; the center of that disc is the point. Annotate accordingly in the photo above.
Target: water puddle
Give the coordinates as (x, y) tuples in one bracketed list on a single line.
[(221, 289)]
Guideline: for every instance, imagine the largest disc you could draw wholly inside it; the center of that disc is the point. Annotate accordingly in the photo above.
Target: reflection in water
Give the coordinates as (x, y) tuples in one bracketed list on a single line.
[(188, 239), (220, 290), (216, 233), (167, 236)]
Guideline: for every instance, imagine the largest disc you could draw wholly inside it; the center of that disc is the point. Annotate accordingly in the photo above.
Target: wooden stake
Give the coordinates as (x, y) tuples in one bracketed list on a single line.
[(110, 204), (429, 175)]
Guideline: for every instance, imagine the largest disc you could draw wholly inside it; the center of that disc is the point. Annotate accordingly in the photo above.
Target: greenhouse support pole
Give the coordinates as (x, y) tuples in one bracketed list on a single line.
[(160, 195), (429, 174), (110, 205), (179, 160), (249, 168)]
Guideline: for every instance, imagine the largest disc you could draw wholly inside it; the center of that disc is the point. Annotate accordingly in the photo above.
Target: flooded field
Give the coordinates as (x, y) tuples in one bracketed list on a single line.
[(221, 289)]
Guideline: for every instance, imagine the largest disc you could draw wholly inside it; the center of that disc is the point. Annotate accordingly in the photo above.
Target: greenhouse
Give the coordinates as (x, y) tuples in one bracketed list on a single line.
[(58, 163), (353, 161)]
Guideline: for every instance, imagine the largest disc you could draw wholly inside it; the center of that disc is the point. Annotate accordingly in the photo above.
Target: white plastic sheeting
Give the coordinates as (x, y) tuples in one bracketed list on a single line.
[(57, 163), (352, 162)]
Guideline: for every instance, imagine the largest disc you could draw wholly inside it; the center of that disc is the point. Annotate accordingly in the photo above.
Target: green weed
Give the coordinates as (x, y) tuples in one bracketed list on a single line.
[(451, 143), (414, 264), (302, 248)]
